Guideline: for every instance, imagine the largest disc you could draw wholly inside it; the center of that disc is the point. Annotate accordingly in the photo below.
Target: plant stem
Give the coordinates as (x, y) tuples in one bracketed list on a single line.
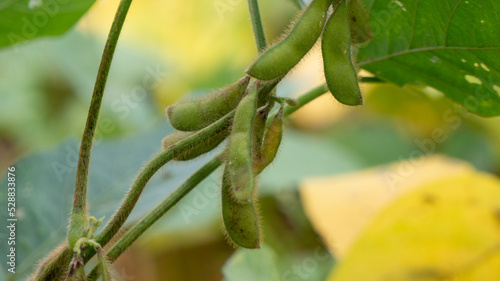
[(306, 98), (258, 30), (320, 90), (140, 227), (149, 219), (80, 196), (80, 199)]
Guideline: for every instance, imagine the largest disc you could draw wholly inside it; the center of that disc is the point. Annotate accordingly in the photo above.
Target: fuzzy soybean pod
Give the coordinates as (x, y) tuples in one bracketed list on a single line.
[(341, 76), (241, 221), (360, 22), (175, 137), (220, 133), (195, 114), (283, 56), (259, 126), (240, 146), (271, 143)]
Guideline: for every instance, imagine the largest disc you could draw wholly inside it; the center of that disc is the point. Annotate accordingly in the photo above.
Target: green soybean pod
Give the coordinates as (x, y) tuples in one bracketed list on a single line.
[(220, 133), (280, 58), (240, 146), (360, 23), (259, 126), (341, 76), (175, 137), (271, 143), (195, 114), (241, 221)]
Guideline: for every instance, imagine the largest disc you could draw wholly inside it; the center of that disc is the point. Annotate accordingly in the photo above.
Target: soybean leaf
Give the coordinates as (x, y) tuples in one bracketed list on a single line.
[(451, 45), (447, 229), (251, 265), (27, 19)]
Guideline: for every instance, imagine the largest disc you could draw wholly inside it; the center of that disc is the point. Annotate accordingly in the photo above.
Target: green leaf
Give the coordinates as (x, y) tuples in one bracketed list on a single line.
[(451, 45), (446, 229), (250, 265), (27, 19)]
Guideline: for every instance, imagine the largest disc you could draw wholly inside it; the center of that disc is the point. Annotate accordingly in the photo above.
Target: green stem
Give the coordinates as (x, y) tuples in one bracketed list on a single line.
[(320, 90), (140, 227), (306, 98), (149, 219), (80, 199), (258, 30), (80, 196)]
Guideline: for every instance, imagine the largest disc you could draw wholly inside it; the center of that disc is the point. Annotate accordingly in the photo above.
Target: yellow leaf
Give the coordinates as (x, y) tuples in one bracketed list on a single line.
[(445, 230), (341, 207)]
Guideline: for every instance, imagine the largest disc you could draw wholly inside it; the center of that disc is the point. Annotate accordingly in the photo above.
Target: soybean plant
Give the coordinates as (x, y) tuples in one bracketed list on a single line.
[(243, 112)]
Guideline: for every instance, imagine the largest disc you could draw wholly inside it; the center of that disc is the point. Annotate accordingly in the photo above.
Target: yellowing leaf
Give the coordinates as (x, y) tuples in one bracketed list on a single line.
[(341, 207), (445, 230)]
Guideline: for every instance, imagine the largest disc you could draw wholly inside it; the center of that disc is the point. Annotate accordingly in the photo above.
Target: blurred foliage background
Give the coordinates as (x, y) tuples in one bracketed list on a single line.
[(171, 49)]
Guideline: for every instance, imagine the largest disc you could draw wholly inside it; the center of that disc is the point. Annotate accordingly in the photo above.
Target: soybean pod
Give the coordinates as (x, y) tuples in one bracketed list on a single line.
[(219, 133), (259, 126), (280, 58), (175, 137), (360, 22), (271, 143), (241, 221), (195, 114), (341, 76), (240, 146)]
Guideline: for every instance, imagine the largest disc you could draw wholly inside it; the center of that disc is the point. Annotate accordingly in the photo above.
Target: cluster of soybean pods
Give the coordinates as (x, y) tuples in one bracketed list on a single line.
[(241, 110)]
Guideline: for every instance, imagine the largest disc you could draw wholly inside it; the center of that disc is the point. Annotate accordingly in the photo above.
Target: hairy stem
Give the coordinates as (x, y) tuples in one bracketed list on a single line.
[(140, 227), (258, 30), (80, 199), (306, 98), (320, 90)]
